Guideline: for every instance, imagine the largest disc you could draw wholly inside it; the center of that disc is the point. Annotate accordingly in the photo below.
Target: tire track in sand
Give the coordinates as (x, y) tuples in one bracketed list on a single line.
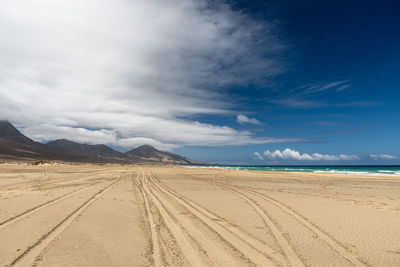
[(217, 250), (153, 231), (304, 221), (42, 206), (256, 251), (28, 256), (186, 245), (33, 182), (292, 257)]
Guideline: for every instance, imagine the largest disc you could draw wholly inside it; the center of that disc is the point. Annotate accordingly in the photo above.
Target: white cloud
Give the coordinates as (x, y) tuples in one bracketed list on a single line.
[(244, 119), (289, 154), (383, 157), (101, 71), (45, 132), (258, 156)]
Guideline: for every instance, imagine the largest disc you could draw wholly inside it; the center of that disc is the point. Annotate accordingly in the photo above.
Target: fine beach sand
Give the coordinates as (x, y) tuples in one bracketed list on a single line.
[(125, 215)]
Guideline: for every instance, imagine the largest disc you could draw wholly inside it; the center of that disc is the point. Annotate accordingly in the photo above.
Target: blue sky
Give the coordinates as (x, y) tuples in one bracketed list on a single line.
[(352, 49), (249, 82)]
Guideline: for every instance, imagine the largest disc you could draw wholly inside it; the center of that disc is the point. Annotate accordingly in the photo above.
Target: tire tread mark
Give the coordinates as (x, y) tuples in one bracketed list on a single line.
[(253, 242), (41, 206), (329, 240), (153, 232), (186, 246), (291, 255), (75, 213), (218, 255), (254, 254)]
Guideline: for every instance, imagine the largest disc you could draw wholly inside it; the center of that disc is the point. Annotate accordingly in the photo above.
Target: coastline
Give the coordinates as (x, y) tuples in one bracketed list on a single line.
[(362, 170)]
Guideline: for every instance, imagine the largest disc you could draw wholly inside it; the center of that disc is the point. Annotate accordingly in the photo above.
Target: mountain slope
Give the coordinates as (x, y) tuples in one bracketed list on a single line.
[(102, 152), (15, 145), (9, 132), (149, 154)]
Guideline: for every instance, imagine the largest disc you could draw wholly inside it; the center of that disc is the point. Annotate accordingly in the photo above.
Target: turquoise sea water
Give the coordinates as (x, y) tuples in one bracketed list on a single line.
[(362, 170)]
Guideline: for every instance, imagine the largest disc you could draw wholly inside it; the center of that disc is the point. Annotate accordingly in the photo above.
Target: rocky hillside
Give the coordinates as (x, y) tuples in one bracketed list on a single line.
[(15, 145)]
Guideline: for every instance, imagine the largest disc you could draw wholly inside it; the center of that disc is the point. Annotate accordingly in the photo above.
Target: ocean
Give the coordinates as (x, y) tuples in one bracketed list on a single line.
[(344, 169)]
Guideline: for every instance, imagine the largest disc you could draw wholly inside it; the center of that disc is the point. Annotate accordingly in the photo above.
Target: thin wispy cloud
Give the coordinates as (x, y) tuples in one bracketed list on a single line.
[(123, 72), (293, 102), (359, 104), (311, 90), (258, 156), (306, 96), (293, 155), (343, 87), (383, 157)]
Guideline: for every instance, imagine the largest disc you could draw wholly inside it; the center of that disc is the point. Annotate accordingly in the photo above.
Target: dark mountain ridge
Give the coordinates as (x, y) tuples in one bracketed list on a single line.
[(89, 151), (14, 145), (9, 132)]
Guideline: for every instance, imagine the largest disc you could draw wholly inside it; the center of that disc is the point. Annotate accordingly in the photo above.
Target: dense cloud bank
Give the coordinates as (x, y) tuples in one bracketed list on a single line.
[(130, 72)]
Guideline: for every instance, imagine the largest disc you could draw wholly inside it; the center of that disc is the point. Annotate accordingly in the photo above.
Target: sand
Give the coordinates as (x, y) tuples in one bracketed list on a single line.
[(125, 215)]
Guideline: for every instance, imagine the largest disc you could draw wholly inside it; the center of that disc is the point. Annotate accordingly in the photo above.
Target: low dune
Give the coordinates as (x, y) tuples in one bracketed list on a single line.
[(126, 215)]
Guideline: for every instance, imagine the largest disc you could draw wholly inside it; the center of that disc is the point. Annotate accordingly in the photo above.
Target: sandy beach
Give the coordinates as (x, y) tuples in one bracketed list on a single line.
[(125, 215)]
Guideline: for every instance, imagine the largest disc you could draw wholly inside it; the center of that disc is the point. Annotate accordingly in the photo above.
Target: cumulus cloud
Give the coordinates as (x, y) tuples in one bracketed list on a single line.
[(244, 119), (289, 154), (383, 157), (122, 71)]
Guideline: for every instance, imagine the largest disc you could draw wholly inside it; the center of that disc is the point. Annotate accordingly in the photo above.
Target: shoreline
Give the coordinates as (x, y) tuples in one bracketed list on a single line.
[(319, 173)]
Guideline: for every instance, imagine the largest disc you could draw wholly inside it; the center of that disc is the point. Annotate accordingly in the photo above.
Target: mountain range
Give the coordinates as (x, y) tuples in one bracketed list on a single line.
[(16, 146)]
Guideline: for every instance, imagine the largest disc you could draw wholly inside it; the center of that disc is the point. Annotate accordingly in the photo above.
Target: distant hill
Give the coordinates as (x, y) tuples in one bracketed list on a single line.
[(148, 153), (15, 145), (9, 132), (100, 152)]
